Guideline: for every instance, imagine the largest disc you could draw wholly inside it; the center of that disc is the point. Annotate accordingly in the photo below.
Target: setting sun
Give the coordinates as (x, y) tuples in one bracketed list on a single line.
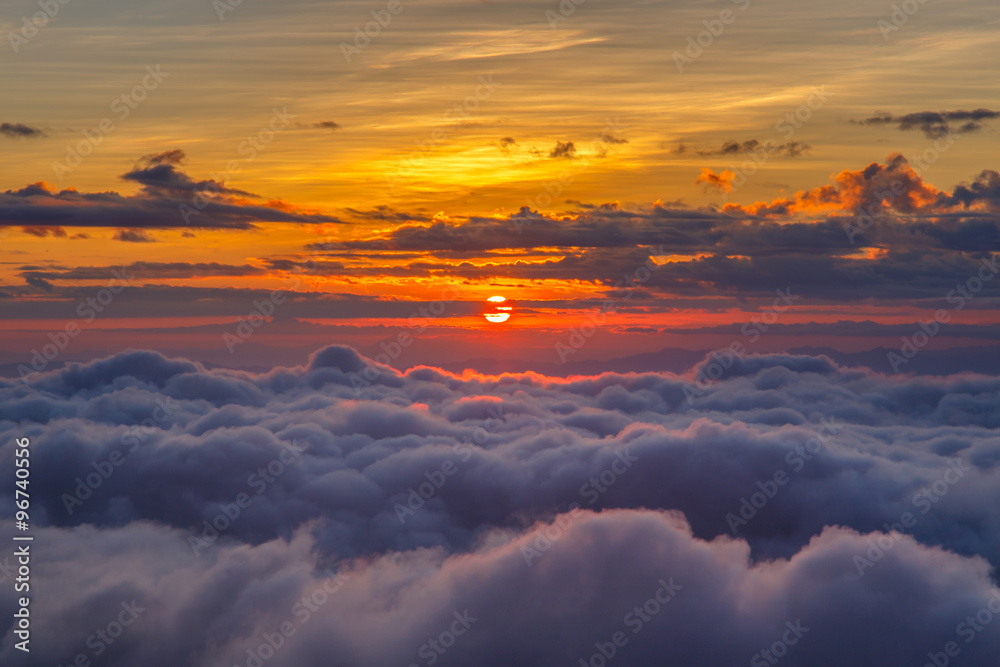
[(497, 309)]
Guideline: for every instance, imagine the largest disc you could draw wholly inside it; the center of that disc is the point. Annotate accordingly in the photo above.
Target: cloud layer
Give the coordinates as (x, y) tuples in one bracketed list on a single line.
[(759, 491), (169, 198)]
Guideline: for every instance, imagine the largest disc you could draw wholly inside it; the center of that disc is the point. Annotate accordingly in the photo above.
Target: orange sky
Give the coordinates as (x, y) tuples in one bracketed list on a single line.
[(479, 149)]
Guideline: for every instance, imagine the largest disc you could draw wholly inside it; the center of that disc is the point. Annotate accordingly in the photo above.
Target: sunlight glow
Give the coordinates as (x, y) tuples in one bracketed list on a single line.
[(497, 311)]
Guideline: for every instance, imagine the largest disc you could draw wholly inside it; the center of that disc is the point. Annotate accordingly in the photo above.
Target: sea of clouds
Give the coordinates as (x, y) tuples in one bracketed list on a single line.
[(344, 513)]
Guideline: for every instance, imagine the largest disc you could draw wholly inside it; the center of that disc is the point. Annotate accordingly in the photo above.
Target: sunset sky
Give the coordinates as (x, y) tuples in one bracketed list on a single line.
[(487, 148), (413, 333)]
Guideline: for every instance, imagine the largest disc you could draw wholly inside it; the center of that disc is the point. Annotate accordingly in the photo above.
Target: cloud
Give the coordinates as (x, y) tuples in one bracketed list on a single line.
[(565, 150), (159, 174), (609, 137), (175, 156), (327, 125), (148, 271), (789, 149), (42, 232), (505, 144), (985, 189), (165, 190), (656, 463), (189, 301), (893, 185), (20, 131), (934, 124), (921, 243), (133, 236), (38, 282), (384, 213), (723, 181)]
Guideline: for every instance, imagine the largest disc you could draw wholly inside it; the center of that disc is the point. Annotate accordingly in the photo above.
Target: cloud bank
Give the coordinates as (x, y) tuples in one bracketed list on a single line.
[(347, 509)]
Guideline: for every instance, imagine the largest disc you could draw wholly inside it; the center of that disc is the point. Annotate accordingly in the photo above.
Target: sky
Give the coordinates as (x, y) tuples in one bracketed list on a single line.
[(409, 332), (219, 153)]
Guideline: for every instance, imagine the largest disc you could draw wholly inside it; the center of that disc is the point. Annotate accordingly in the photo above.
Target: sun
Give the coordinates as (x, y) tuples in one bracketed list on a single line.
[(497, 309)]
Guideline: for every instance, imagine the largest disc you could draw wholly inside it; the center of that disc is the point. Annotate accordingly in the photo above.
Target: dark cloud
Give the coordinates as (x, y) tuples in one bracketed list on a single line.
[(327, 125), (984, 189), (175, 156), (19, 130), (159, 175), (505, 144), (148, 271), (169, 198), (133, 236), (38, 282), (656, 461), (880, 232), (563, 149), (166, 300), (918, 242), (385, 213), (934, 124), (854, 328), (42, 232), (789, 149)]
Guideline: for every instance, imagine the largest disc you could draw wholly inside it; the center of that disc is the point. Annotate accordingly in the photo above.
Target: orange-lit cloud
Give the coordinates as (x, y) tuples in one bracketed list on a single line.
[(722, 181)]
